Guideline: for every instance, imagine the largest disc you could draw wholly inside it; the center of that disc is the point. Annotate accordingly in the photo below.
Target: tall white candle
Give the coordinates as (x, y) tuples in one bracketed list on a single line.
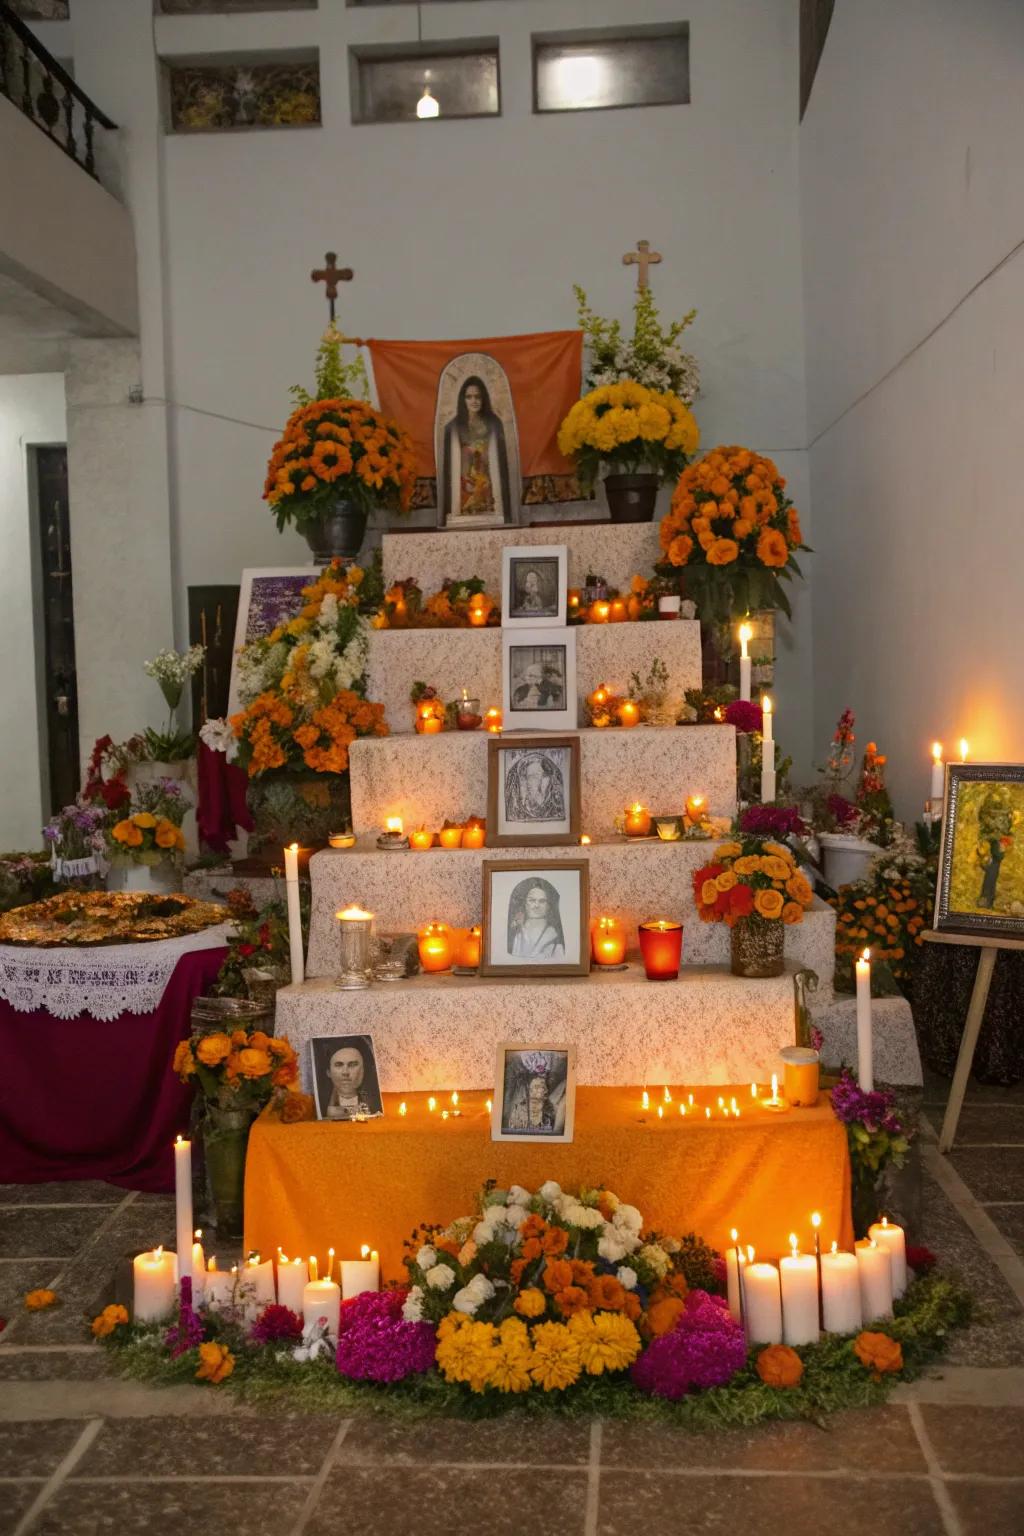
[(938, 771), (746, 632), (840, 1291), (865, 1047), (154, 1276), (198, 1270), (322, 1299), (358, 1275), (183, 1206), (291, 875), (767, 752), (893, 1239), (874, 1265), (798, 1274), (763, 1301), (734, 1261), (292, 1279), (257, 1281)]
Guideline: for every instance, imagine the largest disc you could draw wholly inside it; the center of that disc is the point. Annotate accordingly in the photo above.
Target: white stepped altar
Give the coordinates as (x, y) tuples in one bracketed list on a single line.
[(616, 551)]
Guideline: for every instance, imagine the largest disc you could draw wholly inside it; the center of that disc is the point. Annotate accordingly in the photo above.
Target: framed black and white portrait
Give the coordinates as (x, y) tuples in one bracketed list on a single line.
[(346, 1084), (533, 791), (539, 679), (534, 1093), (534, 585), (536, 917)]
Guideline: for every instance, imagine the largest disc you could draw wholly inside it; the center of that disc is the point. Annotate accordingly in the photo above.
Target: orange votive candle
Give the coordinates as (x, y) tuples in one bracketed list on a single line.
[(638, 820), (661, 946), (800, 1075), (468, 951), (618, 612), (435, 947), (492, 720), (695, 807), (421, 840), (600, 613), (629, 713), (450, 837), (607, 941), (473, 833)]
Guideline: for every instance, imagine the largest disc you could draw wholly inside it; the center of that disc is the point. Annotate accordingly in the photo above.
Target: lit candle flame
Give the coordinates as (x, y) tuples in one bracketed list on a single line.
[(158, 1253), (707, 1114), (750, 1253), (815, 1219), (937, 751), (431, 1103), (403, 1108), (645, 1100), (885, 1221), (198, 1234), (661, 1112), (211, 1264), (444, 1114), (490, 1104), (746, 635), (365, 1250), (766, 704), (455, 1098), (666, 1095), (775, 1086), (963, 749), (835, 1247), (584, 840), (689, 1099), (794, 1245)]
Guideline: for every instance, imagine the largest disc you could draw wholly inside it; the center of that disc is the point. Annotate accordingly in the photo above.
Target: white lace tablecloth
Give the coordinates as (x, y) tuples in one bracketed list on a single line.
[(105, 982)]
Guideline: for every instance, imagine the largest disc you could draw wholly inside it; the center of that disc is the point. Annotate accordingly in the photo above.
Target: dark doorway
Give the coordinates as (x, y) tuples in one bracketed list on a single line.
[(58, 625)]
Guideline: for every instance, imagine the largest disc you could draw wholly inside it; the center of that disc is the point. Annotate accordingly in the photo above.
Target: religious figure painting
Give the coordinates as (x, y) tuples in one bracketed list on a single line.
[(536, 918), (534, 582), (535, 1093), (346, 1084), (981, 866), (476, 445), (533, 791), (266, 599), (539, 679)]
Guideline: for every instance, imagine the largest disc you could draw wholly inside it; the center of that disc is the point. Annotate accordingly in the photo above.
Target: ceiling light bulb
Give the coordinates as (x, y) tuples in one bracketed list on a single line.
[(427, 106)]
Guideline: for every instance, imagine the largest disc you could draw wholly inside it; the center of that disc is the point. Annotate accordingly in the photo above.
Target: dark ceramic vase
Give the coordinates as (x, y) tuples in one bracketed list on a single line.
[(338, 535), (631, 498)]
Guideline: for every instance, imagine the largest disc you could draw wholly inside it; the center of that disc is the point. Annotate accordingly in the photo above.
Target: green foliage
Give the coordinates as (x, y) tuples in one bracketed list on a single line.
[(169, 746), (650, 355), (335, 379)]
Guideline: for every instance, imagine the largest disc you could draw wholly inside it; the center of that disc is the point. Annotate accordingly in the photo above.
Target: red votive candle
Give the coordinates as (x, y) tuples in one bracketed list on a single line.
[(661, 948)]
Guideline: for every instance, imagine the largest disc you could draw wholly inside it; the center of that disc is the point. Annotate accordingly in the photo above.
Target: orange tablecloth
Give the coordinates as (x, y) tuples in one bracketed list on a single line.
[(320, 1185)]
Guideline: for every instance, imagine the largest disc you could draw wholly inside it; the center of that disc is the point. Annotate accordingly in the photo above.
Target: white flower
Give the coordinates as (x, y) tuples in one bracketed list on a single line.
[(441, 1277), (517, 1195), (611, 1247), (515, 1215), (219, 737), (483, 1233), (412, 1308), (656, 1259), (590, 1219), (629, 1218), (427, 1257), (574, 1213), (550, 1191), (482, 1287), (626, 1277), (466, 1301), (328, 616)]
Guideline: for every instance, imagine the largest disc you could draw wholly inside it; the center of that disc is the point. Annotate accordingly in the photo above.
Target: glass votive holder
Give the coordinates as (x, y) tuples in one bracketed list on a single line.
[(668, 828), (355, 929), (661, 948), (468, 715), (800, 1075)]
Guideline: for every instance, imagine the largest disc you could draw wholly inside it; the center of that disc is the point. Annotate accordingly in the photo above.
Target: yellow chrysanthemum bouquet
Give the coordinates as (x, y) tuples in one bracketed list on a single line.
[(631, 430)]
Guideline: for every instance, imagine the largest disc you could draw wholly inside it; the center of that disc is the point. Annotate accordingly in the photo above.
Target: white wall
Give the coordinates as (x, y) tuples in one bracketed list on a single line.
[(31, 412), (912, 196)]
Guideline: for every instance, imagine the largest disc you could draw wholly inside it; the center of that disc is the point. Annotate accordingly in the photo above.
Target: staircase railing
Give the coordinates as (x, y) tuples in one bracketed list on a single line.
[(42, 89)]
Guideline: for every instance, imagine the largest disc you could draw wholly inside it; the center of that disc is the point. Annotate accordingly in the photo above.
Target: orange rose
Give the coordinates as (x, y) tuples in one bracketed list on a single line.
[(109, 1319), (780, 1366), (184, 1061), (144, 819), (709, 893), (724, 551), (792, 913), (531, 1303), (127, 832), (772, 549), (723, 882), (768, 903), (878, 1353), (216, 1362), (297, 1107), (607, 1294), (212, 1049), (557, 1275), (555, 1241), (285, 1074), (663, 1315), (776, 868), (253, 1063), (38, 1301), (167, 835), (799, 887), (571, 1300)]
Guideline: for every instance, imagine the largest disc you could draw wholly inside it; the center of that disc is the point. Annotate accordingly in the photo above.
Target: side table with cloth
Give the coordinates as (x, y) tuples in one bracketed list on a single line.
[(318, 1185), (87, 1038)]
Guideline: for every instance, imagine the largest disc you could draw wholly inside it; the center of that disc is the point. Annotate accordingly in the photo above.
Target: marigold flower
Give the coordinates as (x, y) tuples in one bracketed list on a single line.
[(212, 1049), (555, 1241), (663, 1314), (144, 819), (38, 1301), (110, 1318), (184, 1062), (768, 903), (607, 1341), (722, 552), (607, 1293), (557, 1275), (216, 1362), (531, 1303), (556, 1362), (780, 1366), (878, 1353), (772, 549), (573, 1299)]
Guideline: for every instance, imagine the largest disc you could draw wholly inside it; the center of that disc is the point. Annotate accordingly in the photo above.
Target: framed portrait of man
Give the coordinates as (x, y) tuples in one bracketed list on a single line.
[(534, 1092), (476, 445), (346, 1084), (533, 791), (265, 600), (980, 889), (536, 917), (539, 679), (534, 585)]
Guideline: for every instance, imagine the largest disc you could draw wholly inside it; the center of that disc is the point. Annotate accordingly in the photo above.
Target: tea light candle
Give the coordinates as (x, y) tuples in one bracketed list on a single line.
[(667, 828), (154, 1277), (435, 947), (774, 1101), (574, 599), (292, 1279), (840, 1291), (746, 635), (892, 1238), (468, 952), (421, 840), (393, 825), (607, 941), (479, 609), (800, 1074), (355, 931), (874, 1268), (322, 1299), (629, 713), (661, 947), (762, 1299), (695, 808), (618, 613), (341, 839), (865, 1045), (584, 840), (492, 720), (183, 1207), (798, 1275), (467, 713), (450, 837), (428, 721), (295, 946), (473, 834), (362, 1274), (638, 820), (219, 1286)]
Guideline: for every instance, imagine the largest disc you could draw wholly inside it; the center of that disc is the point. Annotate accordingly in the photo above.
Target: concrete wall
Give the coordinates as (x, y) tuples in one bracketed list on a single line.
[(913, 217), (31, 413)]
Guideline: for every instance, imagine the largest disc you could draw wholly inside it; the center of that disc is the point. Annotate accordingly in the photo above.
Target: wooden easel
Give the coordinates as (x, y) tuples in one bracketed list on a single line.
[(975, 1013)]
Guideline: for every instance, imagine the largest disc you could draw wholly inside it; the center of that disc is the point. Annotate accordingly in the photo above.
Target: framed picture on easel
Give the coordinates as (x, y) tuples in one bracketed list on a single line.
[(980, 888), (266, 598)]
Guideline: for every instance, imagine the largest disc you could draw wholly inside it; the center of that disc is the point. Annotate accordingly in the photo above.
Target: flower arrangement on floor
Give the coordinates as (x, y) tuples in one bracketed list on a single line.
[(631, 429), (460, 604), (876, 1137), (734, 531), (887, 912)]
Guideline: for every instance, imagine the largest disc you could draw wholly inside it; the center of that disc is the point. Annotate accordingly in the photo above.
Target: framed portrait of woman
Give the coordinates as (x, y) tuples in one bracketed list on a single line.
[(533, 791), (346, 1084), (534, 1092), (980, 887), (536, 917), (538, 679), (534, 585), (476, 445)]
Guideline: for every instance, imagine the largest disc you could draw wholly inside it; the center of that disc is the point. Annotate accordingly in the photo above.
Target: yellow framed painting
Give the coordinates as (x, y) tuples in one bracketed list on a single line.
[(980, 888)]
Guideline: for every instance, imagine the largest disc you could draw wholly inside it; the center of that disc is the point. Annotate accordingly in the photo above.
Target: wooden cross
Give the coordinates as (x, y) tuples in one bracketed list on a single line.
[(332, 276), (642, 257)]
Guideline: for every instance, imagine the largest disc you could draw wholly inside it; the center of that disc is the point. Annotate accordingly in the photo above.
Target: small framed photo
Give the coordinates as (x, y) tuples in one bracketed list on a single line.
[(533, 791), (346, 1084), (539, 679), (534, 585), (980, 888), (535, 1093), (536, 917)]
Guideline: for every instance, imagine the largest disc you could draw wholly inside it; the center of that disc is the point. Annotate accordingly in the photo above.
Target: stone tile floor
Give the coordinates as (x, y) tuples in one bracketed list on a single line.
[(82, 1453)]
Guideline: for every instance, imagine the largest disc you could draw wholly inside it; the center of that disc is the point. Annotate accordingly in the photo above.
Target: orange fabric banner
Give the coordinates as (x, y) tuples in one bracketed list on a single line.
[(544, 373)]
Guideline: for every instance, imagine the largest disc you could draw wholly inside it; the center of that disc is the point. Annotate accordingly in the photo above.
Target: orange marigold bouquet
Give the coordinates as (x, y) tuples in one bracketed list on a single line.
[(752, 878), (734, 531), (238, 1069)]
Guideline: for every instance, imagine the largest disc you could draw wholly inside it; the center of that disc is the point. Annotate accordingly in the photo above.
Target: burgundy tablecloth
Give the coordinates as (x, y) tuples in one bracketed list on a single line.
[(87, 1099)]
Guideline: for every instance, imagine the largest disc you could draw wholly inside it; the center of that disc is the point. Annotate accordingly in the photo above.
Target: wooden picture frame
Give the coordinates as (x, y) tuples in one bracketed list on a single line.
[(557, 940), (520, 1067), (538, 761), (534, 586), (980, 886), (538, 679)]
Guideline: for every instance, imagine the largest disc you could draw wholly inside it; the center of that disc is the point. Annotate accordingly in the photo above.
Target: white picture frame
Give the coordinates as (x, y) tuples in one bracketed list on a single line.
[(534, 1092), (538, 679), (265, 597), (534, 586)]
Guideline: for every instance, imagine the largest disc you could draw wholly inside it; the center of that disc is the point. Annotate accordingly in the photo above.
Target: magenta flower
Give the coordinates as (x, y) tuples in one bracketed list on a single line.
[(276, 1324), (705, 1349), (744, 715), (375, 1343)]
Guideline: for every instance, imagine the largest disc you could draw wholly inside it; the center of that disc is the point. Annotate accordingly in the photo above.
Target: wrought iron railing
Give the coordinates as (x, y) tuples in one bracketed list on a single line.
[(32, 79)]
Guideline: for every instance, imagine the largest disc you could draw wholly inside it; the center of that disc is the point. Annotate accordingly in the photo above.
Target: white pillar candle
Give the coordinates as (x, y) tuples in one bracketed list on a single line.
[(291, 875), (874, 1266), (734, 1261), (292, 1279), (938, 772), (865, 1047), (359, 1275), (840, 1291), (257, 1281), (183, 1206), (322, 1299), (892, 1238), (767, 752), (745, 633), (198, 1270), (798, 1274), (763, 1301), (219, 1287), (155, 1278)]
